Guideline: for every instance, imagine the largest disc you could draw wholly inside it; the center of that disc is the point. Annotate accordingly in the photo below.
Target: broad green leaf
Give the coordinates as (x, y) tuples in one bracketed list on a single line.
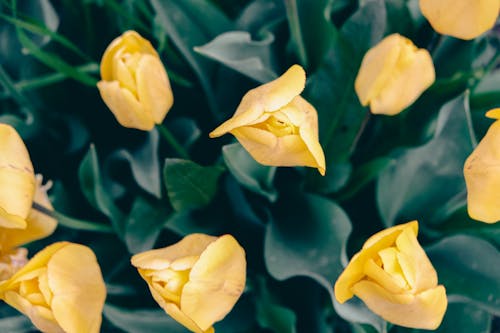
[(260, 16), (310, 29), (189, 185), (16, 324), (469, 268), (307, 237), (356, 311), (144, 224), (144, 163), (140, 321), (250, 174), (238, 51), (420, 180), (487, 91), (188, 24), (464, 318), (92, 187)]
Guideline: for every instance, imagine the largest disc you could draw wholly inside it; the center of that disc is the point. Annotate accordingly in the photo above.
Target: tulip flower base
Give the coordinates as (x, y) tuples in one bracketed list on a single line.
[(249, 166)]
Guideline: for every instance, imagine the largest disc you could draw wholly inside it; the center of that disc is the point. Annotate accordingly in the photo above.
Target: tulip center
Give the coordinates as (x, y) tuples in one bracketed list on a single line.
[(169, 283), (279, 124)]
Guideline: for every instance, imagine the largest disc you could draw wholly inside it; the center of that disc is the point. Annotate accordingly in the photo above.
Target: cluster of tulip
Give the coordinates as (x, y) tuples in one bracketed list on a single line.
[(198, 280)]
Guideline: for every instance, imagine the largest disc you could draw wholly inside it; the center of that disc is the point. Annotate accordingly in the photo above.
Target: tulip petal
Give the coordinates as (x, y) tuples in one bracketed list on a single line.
[(215, 283), (78, 289), (154, 92), (494, 113), (17, 178), (127, 110), (424, 310), (191, 245), (482, 177), (463, 19)]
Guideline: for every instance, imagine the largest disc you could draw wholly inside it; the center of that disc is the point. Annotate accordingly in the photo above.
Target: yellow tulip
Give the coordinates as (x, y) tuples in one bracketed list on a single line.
[(395, 279), (197, 281), (465, 19), (60, 289), (393, 74), (12, 261), (17, 179), (38, 225), (482, 177), (134, 83), (276, 125)]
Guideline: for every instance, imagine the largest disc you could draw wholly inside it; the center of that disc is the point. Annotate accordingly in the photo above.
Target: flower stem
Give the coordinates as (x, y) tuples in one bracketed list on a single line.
[(172, 141)]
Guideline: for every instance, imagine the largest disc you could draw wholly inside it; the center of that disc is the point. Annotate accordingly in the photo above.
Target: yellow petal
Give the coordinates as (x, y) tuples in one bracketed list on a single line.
[(463, 19), (39, 225), (383, 278), (494, 113), (191, 245), (215, 283), (354, 271), (124, 105), (17, 178), (174, 311), (154, 92), (482, 177), (265, 98), (78, 289), (424, 310)]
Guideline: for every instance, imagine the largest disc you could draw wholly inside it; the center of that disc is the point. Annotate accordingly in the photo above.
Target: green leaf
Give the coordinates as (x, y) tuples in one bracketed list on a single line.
[(191, 23), (189, 185), (420, 180), (16, 324), (144, 224), (310, 29), (238, 51), (307, 237), (140, 321), (250, 174), (92, 187), (464, 318), (469, 268)]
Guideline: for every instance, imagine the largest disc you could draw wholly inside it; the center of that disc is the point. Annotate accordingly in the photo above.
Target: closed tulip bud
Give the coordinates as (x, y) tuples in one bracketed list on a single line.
[(38, 225), (197, 281), (134, 83), (464, 19), (60, 289), (482, 177), (276, 125), (393, 74), (395, 279), (17, 179)]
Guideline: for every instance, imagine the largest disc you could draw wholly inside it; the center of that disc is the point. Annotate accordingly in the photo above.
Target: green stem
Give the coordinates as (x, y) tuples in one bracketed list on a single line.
[(172, 141), (72, 223)]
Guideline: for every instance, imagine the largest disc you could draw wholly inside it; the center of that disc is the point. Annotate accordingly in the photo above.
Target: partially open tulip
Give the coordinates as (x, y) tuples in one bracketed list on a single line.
[(395, 279), (482, 176), (17, 179), (197, 281), (464, 19), (393, 74), (134, 83), (60, 289), (38, 225), (276, 125)]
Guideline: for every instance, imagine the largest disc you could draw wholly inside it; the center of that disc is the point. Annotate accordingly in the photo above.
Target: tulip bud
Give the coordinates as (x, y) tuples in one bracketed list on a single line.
[(38, 225), (197, 281), (134, 83), (17, 179), (464, 19), (395, 279), (276, 125), (393, 74), (60, 289), (482, 177)]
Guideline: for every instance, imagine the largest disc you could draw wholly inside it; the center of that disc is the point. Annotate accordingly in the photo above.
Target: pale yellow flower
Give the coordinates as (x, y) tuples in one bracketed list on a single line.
[(393, 74), (12, 261), (482, 175), (60, 289), (134, 83), (276, 125), (197, 281), (395, 279), (465, 19), (17, 179), (38, 225)]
